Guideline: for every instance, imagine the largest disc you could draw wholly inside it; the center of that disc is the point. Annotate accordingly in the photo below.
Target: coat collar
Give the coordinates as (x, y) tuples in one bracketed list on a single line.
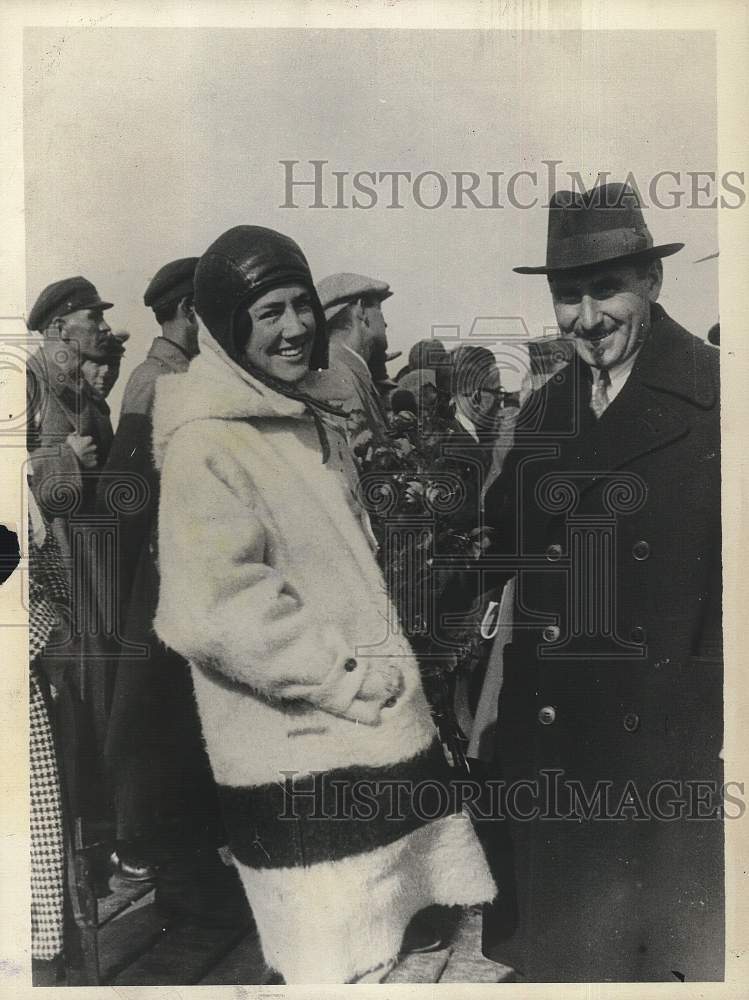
[(340, 353), (171, 354), (673, 361)]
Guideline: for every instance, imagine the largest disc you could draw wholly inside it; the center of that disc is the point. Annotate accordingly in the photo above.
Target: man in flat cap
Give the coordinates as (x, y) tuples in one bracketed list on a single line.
[(168, 823), (357, 339), (68, 435), (610, 722)]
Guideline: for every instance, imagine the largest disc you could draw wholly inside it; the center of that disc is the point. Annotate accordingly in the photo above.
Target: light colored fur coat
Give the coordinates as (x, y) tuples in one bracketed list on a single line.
[(268, 581)]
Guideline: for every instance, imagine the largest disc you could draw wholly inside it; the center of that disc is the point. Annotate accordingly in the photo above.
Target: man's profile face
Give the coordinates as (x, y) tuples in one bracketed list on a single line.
[(376, 324), (484, 402), (605, 310), (87, 330), (95, 373), (100, 375)]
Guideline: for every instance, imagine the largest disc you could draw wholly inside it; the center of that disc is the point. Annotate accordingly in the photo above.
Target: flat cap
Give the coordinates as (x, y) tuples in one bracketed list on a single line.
[(338, 290), (171, 283), (64, 297)]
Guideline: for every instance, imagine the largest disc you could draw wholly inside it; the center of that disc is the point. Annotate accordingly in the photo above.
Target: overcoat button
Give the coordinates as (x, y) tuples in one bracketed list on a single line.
[(631, 722), (554, 552), (350, 664), (547, 715), (551, 633), (638, 634), (641, 550)]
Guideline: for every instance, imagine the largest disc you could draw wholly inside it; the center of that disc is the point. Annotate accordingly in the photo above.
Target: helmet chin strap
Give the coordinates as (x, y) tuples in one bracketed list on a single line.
[(314, 406)]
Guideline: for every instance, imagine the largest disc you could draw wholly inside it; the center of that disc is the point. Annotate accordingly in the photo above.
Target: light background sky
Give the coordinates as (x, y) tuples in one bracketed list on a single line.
[(142, 145)]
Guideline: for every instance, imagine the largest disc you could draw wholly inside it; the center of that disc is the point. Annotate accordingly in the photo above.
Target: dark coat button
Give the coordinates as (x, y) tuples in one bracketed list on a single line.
[(640, 550), (547, 715), (551, 633), (638, 634), (554, 552), (631, 722), (350, 664)]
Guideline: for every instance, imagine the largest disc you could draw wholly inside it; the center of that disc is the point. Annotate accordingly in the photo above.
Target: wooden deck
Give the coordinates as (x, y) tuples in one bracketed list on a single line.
[(136, 949)]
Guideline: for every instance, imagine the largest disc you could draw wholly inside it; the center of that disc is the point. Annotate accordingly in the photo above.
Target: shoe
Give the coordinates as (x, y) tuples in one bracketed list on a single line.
[(421, 937), (132, 870)]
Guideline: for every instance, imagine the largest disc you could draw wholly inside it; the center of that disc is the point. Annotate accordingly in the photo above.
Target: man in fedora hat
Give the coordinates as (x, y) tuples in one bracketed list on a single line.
[(611, 710)]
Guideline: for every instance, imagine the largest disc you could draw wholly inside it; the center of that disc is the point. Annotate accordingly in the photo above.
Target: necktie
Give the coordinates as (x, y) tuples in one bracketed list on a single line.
[(599, 399)]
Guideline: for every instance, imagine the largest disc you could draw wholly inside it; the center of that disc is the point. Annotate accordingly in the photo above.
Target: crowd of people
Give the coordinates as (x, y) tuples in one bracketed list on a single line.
[(285, 572)]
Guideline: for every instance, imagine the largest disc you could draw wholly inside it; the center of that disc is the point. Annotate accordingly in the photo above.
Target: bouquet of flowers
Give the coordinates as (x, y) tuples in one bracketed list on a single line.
[(423, 501)]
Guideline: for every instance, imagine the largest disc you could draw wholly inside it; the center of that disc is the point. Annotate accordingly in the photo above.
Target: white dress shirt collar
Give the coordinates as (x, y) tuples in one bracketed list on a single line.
[(618, 375)]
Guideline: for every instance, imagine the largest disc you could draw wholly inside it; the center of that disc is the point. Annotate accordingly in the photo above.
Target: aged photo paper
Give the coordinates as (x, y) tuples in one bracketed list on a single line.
[(316, 317)]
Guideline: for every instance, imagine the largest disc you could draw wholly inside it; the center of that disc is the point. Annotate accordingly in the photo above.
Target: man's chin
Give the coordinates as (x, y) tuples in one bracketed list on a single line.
[(601, 353)]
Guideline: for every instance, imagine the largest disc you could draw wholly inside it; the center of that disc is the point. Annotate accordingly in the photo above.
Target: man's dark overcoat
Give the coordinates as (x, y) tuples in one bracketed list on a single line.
[(615, 671)]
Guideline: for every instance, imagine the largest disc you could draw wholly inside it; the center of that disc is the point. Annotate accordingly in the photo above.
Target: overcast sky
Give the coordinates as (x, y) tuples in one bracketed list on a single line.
[(142, 145)]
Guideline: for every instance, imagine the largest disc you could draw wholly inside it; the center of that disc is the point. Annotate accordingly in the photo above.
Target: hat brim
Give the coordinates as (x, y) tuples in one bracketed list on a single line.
[(333, 308), (652, 253)]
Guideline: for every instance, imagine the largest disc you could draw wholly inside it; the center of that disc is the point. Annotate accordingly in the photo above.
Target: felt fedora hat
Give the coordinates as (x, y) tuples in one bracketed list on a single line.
[(598, 226)]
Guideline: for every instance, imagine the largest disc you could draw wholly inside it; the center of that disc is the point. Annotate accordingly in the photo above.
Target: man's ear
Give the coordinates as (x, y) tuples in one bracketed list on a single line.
[(58, 328), (655, 279), (186, 307), (359, 312)]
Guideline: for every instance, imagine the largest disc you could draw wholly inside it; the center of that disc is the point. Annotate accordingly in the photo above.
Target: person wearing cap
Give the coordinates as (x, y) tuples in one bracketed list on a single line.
[(610, 506), (68, 434), (271, 589), (357, 340), (168, 824)]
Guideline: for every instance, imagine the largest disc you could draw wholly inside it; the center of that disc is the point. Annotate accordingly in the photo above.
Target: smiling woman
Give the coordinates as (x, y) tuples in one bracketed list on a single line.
[(279, 328), (299, 683)]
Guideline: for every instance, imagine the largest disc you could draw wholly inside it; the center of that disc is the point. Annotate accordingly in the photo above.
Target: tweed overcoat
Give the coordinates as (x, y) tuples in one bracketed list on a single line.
[(614, 674), (56, 408)]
